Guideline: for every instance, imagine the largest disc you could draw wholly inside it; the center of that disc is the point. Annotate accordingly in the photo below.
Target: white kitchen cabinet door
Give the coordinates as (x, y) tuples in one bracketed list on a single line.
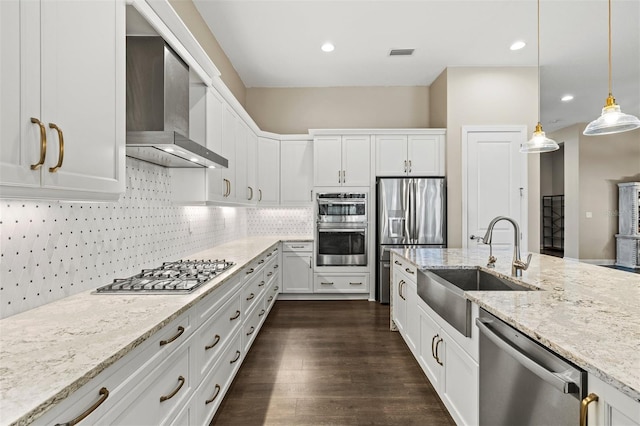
[(214, 125), (391, 155), (412, 323), (268, 171), (296, 172), (252, 168), (612, 408), (327, 161), (297, 272), (356, 160), (229, 134), (242, 138), (72, 79), (399, 301), (429, 334), (425, 155)]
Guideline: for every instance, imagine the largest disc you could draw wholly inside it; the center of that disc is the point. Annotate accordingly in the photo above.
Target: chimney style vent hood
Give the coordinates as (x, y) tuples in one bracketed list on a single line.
[(158, 108)]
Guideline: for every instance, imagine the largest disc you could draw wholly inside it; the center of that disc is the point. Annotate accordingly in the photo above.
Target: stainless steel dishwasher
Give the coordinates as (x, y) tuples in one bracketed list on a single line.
[(523, 383)]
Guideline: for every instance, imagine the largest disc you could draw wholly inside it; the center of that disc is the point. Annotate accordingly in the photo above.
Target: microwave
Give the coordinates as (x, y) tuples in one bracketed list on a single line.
[(342, 207)]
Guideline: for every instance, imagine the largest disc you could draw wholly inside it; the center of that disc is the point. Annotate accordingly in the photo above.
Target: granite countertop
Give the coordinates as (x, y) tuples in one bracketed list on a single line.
[(588, 314), (49, 352)]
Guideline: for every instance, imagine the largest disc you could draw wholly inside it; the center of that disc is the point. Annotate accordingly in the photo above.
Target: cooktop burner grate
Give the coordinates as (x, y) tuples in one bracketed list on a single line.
[(182, 276)]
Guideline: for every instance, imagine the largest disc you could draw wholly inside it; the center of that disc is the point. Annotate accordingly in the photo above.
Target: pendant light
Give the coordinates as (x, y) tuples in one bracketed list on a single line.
[(538, 142), (612, 119)]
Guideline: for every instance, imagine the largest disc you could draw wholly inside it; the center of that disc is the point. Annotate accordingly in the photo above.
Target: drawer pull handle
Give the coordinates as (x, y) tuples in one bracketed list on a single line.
[(215, 342), (104, 394), (355, 283), (215, 395), (269, 254), (261, 284), (261, 313), (270, 299), (326, 283), (251, 296), (584, 404), (178, 334), (276, 288), (250, 271), (297, 246), (163, 398), (261, 262), (397, 263), (269, 274), (251, 330), (61, 149), (235, 317), (409, 271), (43, 146), (276, 266), (236, 358)]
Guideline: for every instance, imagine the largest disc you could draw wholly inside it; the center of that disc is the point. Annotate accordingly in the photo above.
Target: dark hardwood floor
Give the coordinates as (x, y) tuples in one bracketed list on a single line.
[(330, 363)]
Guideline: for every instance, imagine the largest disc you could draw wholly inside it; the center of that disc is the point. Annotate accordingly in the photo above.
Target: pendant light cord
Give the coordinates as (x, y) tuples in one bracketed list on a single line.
[(610, 91), (539, 100)]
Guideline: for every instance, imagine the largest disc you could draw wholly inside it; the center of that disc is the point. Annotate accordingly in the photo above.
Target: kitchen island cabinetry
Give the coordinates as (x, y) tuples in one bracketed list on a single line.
[(612, 408), (342, 160), (410, 155), (61, 140)]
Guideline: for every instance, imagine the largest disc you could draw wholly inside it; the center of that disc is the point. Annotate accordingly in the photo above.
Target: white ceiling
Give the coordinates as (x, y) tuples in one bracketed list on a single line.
[(276, 43)]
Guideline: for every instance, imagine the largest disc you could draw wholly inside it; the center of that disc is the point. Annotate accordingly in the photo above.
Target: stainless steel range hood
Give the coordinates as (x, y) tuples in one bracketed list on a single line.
[(158, 108)]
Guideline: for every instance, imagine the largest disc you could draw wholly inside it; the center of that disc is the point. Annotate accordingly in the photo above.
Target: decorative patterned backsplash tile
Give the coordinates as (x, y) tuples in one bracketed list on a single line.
[(280, 221), (50, 250)]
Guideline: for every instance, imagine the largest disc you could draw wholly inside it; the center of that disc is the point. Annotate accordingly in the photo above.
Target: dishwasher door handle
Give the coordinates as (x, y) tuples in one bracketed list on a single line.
[(554, 379)]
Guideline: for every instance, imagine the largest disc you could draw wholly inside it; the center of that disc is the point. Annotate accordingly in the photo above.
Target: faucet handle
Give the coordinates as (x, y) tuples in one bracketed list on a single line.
[(519, 264), (474, 237), (491, 263)]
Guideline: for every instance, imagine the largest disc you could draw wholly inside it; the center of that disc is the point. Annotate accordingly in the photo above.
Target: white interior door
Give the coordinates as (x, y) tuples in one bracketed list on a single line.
[(495, 182)]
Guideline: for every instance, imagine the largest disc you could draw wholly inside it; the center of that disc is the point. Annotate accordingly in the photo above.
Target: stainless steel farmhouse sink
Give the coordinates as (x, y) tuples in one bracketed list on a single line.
[(443, 290)]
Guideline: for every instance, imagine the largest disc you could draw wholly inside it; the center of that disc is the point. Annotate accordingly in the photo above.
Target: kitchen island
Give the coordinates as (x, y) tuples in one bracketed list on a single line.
[(48, 353), (587, 314)]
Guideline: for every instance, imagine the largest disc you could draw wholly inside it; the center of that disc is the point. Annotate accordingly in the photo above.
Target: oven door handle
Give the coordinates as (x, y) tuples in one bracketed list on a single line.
[(554, 379), (350, 230)]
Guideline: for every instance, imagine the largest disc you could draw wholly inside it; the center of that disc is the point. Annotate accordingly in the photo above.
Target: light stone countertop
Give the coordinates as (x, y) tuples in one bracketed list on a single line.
[(588, 314), (49, 352)]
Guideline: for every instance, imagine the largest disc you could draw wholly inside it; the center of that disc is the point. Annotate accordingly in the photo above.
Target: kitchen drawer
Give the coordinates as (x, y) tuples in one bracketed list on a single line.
[(407, 267), (272, 294), (341, 283), (213, 302), (252, 325), (216, 333), (158, 396), (289, 246), (252, 291), (209, 395)]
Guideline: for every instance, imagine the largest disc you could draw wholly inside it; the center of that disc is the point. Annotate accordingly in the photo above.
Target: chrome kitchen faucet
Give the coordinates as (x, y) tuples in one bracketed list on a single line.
[(517, 266)]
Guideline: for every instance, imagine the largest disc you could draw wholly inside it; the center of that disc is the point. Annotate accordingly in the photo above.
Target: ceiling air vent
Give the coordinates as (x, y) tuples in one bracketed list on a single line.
[(401, 52)]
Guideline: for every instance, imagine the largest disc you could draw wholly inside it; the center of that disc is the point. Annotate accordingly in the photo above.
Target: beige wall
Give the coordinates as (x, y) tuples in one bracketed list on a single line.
[(438, 101), (193, 20), (296, 110), (485, 96)]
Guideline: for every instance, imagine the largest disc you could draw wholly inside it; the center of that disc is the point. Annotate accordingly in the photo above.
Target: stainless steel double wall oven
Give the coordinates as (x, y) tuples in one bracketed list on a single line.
[(342, 229)]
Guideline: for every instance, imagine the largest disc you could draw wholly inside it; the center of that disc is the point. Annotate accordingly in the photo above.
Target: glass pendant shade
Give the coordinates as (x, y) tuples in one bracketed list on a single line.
[(611, 121), (539, 143)]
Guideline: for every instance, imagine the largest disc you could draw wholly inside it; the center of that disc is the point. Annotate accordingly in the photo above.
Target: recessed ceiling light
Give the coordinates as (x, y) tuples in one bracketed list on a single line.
[(195, 160), (518, 45), (566, 98), (328, 47)]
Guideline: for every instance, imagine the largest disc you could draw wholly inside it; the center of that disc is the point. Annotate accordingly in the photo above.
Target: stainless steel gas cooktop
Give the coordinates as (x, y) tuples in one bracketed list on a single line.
[(182, 276)]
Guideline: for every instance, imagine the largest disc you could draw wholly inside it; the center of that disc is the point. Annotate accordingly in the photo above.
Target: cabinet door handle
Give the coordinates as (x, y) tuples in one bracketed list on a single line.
[(235, 317), (400, 285), (104, 394), (43, 146), (178, 334), (405, 166), (433, 350), (251, 296), (236, 358), (410, 271), (227, 185), (61, 149), (344, 176), (259, 194), (311, 195), (250, 193), (584, 406), (437, 356), (409, 166), (216, 340), (261, 313), (215, 394), (251, 330), (163, 398), (310, 262)]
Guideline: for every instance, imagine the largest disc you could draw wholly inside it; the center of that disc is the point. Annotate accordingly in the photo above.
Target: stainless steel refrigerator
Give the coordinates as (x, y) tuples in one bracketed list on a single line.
[(411, 213)]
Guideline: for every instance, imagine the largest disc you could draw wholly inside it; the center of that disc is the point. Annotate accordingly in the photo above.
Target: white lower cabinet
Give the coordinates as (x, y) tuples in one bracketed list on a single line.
[(612, 407), (297, 272), (341, 283)]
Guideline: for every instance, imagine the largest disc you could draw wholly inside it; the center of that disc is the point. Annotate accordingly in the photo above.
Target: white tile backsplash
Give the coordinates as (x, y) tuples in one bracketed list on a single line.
[(280, 221), (50, 250)]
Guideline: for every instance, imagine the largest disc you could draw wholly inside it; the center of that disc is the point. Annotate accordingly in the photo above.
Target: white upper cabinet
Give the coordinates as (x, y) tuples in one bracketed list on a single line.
[(242, 140), (411, 155), (296, 172), (62, 86), (268, 171), (252, 168), (342, 160), (230, 124)]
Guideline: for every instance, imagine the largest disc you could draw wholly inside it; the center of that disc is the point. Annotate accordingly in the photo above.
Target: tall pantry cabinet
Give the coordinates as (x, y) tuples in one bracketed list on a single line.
[(62, 87)]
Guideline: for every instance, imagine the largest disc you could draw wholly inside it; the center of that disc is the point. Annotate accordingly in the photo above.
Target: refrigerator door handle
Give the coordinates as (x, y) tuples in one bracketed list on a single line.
[(412, 210)]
